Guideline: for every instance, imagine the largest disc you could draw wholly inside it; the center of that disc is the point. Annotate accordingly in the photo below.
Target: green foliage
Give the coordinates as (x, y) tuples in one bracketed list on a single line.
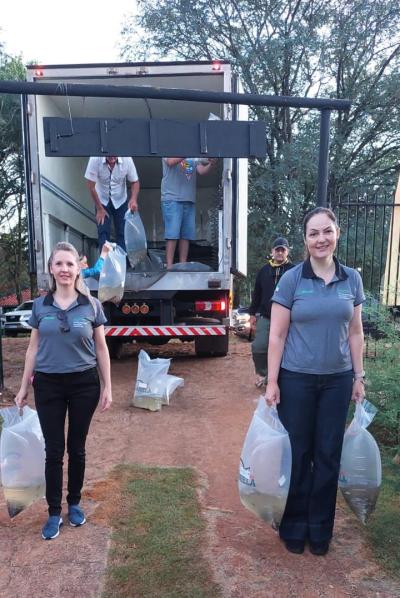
[(382, 529), (382, 368), (13, 229)]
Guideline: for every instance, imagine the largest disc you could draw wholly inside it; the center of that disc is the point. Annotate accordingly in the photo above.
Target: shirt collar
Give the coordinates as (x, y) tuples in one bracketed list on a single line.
[(81, 300), (308, 272), (119, 160)]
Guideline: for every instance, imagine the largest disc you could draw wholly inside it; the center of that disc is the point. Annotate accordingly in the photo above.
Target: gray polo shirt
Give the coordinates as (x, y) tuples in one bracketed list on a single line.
[(320, 314), (179, 181), (66, 342)]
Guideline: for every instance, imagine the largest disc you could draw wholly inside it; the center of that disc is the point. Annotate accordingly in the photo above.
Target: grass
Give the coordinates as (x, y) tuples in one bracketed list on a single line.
[(383, 527), (158, 537)]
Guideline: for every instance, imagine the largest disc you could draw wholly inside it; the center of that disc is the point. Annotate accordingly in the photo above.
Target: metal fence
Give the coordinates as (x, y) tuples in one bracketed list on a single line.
[(370, 242)]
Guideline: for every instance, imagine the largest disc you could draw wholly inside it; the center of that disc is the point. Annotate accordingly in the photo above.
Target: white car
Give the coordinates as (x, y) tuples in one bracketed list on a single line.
[(16, 320)]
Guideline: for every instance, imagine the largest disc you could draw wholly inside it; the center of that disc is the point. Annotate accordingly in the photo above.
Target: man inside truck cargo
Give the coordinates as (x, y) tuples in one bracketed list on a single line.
[(107, 179), (178, 196)]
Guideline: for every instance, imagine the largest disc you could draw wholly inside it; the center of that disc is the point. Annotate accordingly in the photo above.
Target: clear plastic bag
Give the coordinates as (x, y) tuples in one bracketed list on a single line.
[(147, 392), (165, 385), (360, 474), (265, 466), (112, 276), (22, 458), (135, 238)]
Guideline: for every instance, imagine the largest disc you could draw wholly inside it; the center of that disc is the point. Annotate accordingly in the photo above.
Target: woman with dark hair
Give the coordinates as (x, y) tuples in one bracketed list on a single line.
[(315, 367), (66, 353)]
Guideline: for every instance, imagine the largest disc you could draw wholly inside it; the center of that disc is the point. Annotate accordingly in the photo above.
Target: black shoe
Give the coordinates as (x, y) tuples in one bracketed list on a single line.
[(319, 548), (296, 546)]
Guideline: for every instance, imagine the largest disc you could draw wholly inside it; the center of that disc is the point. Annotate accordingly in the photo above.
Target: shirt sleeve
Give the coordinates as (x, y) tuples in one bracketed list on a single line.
[(284, 290), (99, 317), (359, 296), (95, 271), (33, 319), (92, 171), (132, 174)]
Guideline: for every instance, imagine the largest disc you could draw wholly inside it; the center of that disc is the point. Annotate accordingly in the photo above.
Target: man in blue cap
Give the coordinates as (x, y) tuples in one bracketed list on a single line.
[(266, 281)]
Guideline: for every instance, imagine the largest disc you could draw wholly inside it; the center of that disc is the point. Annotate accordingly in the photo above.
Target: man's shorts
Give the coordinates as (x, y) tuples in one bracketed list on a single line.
[(179, 219)]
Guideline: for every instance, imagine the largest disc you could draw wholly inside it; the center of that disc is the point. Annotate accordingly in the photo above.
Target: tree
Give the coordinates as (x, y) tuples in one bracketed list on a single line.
[(13, 235), (345, 48)]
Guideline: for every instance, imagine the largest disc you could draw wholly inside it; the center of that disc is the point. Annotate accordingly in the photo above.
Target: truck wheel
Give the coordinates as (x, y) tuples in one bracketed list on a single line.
[(114, 347), (211, 346)]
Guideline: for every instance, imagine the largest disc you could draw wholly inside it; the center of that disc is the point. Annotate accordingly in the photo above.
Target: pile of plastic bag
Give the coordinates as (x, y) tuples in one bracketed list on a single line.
[(22, 458), (135, 238), (360, 467), (265, 465), (112, 276), (154, 386)]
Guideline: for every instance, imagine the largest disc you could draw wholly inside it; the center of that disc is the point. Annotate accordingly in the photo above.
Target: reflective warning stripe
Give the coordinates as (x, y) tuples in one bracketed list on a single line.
[(165, 331)]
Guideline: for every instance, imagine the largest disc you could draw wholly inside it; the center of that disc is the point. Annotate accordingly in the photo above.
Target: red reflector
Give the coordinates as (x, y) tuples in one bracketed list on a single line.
[(39, 73), (210, 305)]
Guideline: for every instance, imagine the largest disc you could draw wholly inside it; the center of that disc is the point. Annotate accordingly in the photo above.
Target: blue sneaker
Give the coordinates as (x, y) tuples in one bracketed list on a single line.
[(76, 516), (51, 528)]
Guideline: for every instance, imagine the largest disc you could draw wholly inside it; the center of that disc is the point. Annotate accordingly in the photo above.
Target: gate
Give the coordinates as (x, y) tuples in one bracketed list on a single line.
[(370, 243)]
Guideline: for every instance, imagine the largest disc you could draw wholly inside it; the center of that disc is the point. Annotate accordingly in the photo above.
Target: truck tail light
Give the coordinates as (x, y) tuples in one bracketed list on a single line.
[(210, 305), (216, 65), (38, 73)]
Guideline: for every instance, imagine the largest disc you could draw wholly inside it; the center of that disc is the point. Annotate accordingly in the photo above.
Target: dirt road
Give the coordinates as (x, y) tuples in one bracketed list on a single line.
[(204, 427)]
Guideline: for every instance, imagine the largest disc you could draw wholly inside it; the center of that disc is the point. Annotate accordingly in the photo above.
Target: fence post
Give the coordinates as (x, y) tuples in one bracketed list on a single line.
[(323, 158)]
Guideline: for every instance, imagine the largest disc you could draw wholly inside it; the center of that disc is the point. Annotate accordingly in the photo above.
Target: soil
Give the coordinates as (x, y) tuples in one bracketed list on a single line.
[(203, 427)]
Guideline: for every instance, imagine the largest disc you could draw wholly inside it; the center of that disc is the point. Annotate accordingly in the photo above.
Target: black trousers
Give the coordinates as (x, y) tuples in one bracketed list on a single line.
[(56, 395), (313, 409)]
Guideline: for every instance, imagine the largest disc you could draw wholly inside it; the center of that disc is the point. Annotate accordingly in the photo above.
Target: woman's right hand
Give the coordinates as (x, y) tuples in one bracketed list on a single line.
[(22, 398), (272, 394)]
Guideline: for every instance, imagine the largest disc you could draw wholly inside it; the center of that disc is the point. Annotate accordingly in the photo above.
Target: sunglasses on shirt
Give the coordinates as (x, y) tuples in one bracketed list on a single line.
[(62, 316)]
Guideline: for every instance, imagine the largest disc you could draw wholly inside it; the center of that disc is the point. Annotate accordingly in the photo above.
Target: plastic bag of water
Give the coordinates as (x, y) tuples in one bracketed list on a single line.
[(360, 467), (112, 276), (148, 393), (22, 458), (265, 465), (135, 238)]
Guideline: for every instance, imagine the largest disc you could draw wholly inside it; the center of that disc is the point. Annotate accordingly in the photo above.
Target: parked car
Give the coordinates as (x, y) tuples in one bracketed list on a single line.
[(241, 323), (16, 320)]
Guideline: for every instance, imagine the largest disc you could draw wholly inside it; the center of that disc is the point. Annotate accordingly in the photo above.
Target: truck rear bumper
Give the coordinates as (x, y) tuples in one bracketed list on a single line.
[(168, 331)]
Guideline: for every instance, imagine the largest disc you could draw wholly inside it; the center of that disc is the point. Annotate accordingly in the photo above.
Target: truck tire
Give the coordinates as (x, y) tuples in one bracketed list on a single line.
[(211, 346), (114, 347)]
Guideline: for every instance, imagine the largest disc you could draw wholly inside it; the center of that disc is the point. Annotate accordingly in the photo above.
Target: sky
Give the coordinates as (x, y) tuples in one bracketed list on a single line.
[(55, 32)]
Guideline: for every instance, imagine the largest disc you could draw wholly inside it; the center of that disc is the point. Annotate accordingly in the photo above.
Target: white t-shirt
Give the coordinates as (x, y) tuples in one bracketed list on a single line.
[(111, 184)]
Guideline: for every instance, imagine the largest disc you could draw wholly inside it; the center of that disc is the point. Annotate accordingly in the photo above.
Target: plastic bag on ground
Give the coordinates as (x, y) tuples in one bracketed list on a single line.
[(360, 467), (147, 389), (265, 465), (135, 238), (22, 458), (165, 385), (112, 276)]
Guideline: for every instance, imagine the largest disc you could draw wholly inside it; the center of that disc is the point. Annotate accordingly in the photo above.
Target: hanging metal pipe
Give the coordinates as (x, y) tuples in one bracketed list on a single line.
[(157, 93)]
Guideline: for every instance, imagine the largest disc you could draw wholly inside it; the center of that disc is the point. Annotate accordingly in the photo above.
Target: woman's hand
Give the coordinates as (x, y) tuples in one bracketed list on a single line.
[(272, 394), (358, 393), (105, 400), (22, 398)]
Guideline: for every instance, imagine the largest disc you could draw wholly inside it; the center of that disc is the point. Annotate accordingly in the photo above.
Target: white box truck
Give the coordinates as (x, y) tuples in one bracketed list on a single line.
[(190, 305)]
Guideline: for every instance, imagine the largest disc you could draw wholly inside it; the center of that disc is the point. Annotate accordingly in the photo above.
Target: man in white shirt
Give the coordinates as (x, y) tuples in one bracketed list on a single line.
[(107, 179)]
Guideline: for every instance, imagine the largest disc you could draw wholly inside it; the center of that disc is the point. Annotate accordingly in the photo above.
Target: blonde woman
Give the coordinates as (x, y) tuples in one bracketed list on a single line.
[(66, 353)]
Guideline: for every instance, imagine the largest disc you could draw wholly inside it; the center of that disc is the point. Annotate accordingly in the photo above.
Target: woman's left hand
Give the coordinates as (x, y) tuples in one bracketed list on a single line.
[(105, 400), (358, 393)]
